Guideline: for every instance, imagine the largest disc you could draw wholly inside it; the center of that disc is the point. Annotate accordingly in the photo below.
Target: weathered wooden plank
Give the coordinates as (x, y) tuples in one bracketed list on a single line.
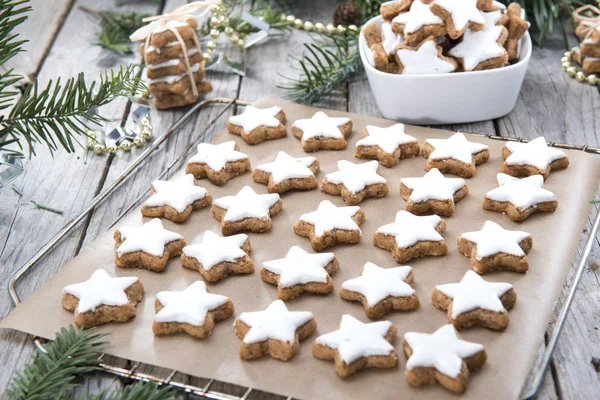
[(45, 20), (61, 181), (563, 110)]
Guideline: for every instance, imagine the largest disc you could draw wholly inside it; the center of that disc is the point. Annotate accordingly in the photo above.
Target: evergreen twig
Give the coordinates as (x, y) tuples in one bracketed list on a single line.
[(326, 65), (138, 391), (53, 115), (116, 27), (74, 351)]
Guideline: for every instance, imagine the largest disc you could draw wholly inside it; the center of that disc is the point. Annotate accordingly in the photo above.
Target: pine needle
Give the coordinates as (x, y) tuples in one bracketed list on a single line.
[(74, 351), (55, 114), (326, 65), (138, 391), (47, 208), (116, 27)]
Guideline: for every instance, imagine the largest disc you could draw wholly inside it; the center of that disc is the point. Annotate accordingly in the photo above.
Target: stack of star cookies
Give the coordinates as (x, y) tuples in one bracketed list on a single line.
[(420, 37), (588, 53), (174, 64)]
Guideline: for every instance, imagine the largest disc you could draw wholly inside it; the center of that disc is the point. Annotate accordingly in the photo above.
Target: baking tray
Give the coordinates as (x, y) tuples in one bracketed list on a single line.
[(206, 391)]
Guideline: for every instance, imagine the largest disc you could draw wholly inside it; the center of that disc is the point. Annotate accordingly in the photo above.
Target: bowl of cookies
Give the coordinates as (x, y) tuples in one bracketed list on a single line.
[(445, 62)]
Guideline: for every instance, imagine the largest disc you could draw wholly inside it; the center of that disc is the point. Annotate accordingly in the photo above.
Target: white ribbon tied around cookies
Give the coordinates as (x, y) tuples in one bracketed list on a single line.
[(182, 14), (591, 23)]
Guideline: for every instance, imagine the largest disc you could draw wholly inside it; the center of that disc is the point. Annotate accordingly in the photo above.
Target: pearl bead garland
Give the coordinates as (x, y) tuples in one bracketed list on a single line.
[(571, 69), (138, 141)]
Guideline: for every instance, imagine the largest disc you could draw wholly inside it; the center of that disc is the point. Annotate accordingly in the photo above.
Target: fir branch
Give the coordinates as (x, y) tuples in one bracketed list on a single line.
[(74, 351), (11, 15), (368, 8), (116, 27), (325, 67), (137, 391), (55, 114)]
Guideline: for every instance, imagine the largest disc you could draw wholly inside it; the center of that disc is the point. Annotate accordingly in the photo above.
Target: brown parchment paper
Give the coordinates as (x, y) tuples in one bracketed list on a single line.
[(510, 353)]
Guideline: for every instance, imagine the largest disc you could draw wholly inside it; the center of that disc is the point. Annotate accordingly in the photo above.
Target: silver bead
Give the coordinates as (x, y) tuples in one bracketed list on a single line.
[(330, 29), (125, 145), (565, 59), (146, 135), (592, 79), (353, 28), (290, 19), (580, 76), (138, 142), (214, 33), (309, 26), (320, 27), (210, 46), (341, 29), (99, 149), (572, 71), (298, 23)]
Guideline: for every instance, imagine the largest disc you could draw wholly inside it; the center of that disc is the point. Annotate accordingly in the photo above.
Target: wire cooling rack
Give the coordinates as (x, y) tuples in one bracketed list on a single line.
[(205, 391)]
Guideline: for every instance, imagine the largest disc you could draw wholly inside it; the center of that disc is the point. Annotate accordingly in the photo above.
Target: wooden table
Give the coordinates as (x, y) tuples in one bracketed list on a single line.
[(550, 104)]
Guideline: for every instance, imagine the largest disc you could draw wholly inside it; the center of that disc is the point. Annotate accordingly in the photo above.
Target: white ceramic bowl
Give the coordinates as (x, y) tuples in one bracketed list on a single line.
[(447, 98)]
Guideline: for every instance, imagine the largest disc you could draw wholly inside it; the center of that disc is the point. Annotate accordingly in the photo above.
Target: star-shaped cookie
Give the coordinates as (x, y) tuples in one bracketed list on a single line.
[(330, 225), (246, 211), (102, 299), (533, 158), (175, 200), (149, 246), (356, 346), (455, 155), (256, 125), (355, 182), (482, 49), (425, 59), (381, 290), (217, 257), (287, 172), (519, 198), (387, 145), (412, 236), (300, 272), (475, 302), (441, 357), (193, 311), (275, 331), (433, 193), (494, 248), (322, 132), (418, 23), (458, 15), (218, 162)]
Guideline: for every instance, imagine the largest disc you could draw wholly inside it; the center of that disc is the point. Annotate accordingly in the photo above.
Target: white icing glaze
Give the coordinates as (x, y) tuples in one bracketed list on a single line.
[(433, 185), (370, 56), (165, 64), (387, 139), (442, 350), (523, 193), (536, 153), (150, 238), (355, 339), (376, 283), (100, 289), (389, 39), (418, 16), (178, 193), (276, 322), (247, 204), (253, 118), (409, 229), (174, 78), (215, 249), (216, 156), (191, 51), (497, 4), (321, 125), (188, 306), (462, 12), (172, 24), (493, 239), (456, 147), (300, 267), (288, 167), (355, 177), (478, 46), (328, 217), (424, 60), (473, 292), (491, 18)]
